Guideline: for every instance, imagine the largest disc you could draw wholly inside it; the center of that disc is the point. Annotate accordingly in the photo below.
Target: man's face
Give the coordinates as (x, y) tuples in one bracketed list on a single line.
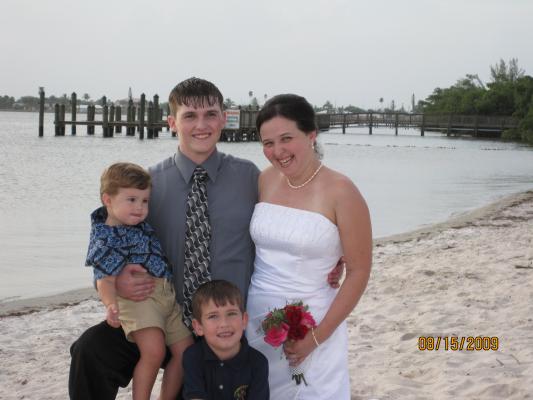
[(198, 129)]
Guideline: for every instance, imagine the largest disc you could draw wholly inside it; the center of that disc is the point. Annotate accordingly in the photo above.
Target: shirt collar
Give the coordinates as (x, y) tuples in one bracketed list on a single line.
[(186, 166), (236, 362)]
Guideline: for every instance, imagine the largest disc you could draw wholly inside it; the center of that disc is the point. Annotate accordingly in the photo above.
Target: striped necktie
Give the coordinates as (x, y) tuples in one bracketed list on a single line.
[(197, 237)]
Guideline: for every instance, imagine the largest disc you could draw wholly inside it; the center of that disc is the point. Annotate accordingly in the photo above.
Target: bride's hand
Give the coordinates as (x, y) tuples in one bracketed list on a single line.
[(297, 351)]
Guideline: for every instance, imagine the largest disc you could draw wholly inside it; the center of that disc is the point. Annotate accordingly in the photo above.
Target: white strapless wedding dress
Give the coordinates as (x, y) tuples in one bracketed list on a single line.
[(295, 251)]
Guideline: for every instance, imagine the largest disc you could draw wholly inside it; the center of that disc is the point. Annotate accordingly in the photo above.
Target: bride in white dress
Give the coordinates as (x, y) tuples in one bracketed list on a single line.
[(308, 216)]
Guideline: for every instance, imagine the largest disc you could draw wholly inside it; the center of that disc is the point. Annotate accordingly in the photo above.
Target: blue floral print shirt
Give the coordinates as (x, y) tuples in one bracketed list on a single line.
[(112, 247)]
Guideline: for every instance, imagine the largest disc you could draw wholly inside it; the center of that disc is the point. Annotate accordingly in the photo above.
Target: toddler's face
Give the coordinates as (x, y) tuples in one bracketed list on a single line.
[(128, 207)]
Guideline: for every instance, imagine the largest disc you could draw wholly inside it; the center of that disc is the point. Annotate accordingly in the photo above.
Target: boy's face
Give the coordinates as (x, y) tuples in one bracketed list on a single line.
[(198, 129), (128, 207), (222, 328)]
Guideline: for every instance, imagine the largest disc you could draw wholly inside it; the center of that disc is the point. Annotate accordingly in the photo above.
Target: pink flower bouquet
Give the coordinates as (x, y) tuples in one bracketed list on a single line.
[(291, 322)]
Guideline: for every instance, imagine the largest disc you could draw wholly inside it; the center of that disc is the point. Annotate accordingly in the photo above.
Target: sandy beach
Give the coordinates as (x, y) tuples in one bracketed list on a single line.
[(469, 277)]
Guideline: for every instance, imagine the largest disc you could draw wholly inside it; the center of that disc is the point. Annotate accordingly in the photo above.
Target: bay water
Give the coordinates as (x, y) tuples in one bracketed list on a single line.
[(49, 186)]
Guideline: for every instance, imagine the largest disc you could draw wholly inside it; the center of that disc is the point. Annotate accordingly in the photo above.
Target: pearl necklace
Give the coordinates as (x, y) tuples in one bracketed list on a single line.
[(306, 182)]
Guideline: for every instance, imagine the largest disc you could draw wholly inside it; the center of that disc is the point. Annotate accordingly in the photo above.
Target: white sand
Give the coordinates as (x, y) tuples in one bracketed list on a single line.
[(472, 276)]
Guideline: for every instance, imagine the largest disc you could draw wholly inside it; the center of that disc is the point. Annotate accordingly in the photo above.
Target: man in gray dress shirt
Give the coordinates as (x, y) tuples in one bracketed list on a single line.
[(102, 358)]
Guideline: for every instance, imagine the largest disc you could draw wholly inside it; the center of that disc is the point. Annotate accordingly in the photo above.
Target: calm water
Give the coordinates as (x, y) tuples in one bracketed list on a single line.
[(49, 185)]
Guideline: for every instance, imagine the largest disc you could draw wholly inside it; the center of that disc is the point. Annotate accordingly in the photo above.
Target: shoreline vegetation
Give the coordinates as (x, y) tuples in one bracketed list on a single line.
[(468, 277)]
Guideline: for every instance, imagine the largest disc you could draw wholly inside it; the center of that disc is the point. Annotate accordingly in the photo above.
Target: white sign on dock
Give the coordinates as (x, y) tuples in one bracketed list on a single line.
[(233, 118)]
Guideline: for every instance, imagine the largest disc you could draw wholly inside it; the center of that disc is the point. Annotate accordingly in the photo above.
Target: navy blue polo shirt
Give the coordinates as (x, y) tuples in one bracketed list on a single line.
[(244, 376)]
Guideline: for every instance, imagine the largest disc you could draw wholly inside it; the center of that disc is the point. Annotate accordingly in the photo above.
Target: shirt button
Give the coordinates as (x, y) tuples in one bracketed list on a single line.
[(221, 387), (221, 364)]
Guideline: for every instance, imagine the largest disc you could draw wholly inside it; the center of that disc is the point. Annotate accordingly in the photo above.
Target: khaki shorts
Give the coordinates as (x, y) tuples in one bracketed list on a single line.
[(160, 310)]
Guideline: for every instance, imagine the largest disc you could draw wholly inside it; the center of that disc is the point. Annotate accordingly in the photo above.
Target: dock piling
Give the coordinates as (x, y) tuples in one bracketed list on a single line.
[(41, 111), (73, 109), (62, 120), (141, 116)]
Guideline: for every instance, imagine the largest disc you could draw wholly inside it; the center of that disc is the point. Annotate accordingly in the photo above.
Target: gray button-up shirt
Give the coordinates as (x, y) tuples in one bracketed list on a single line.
[(232, 194)]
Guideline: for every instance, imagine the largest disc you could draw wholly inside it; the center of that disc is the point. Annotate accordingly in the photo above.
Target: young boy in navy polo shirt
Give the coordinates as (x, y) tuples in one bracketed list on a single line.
[(221, 365)]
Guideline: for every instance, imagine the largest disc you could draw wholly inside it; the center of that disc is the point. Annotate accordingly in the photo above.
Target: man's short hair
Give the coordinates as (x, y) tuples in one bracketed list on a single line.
[(194, 92), (124, 175), (220, 292)]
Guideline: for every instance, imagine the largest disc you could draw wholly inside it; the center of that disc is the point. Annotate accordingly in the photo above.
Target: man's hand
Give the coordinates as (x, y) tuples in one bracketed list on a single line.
[(134, 283), (112, 315), (335, 275)]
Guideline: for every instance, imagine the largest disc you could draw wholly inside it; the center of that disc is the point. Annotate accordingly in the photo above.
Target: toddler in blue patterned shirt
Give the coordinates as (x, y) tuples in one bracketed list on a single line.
[(119, 236)]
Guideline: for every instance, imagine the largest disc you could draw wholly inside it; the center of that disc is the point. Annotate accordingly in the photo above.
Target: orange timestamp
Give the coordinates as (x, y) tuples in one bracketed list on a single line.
[(455, 343)]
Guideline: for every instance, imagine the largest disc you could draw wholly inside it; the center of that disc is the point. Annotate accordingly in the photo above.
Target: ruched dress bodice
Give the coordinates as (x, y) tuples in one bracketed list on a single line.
[(295, 251)]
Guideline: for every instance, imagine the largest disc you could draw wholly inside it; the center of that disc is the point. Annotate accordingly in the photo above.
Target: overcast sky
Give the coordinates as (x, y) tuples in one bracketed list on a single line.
[(344, 51)]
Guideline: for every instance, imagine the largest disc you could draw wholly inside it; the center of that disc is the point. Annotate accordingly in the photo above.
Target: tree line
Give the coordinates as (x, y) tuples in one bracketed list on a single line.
[(509, 92)]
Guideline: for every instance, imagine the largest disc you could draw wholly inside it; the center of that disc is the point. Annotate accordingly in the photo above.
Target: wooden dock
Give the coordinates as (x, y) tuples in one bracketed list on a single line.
[(150, 117), (475, 125)]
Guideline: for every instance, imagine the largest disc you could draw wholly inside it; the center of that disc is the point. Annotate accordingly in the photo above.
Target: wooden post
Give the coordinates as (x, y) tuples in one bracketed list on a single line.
[(110, 131), (73, 109), (41, 111), (370, 125), (129, 118), (89, 111), (133, 112), (118, 118), (56, 120), (62, 119), (396, 124), (149, 125), (141, 116), (343, 124), (104, 111), (476, 123), (156, 117), (105, 126), (449, 128), (423, 126)]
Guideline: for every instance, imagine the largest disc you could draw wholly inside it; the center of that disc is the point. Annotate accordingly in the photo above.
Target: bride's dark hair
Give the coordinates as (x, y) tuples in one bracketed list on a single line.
[(293, 107), (290, 106)]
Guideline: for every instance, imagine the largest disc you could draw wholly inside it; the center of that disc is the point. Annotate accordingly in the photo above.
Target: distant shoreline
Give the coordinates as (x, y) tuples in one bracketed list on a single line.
[(469, 218)]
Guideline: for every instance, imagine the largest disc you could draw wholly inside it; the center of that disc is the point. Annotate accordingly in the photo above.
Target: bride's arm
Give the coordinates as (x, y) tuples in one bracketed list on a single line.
[(353, 221)]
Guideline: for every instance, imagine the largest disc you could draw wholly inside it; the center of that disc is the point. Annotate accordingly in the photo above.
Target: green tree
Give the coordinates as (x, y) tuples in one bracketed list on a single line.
[(502, 72), (328, 107), (30, 102), (6, 102), (228, 103), (353, 109)]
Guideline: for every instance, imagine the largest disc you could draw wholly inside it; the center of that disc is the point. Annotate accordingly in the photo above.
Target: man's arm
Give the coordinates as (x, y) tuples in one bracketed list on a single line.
[(134, 283), (334, 277)]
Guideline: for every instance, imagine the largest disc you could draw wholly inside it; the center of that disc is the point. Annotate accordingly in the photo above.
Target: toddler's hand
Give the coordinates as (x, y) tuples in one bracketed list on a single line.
[(112, 315)]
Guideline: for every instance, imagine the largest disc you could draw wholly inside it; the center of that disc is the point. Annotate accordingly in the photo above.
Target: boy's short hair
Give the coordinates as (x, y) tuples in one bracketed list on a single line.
[(124, 175), (194, 92), (220, 292)]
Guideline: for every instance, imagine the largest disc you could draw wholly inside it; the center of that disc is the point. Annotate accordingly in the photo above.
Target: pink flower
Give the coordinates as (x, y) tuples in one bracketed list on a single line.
[(308, 320), (276, 335)]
